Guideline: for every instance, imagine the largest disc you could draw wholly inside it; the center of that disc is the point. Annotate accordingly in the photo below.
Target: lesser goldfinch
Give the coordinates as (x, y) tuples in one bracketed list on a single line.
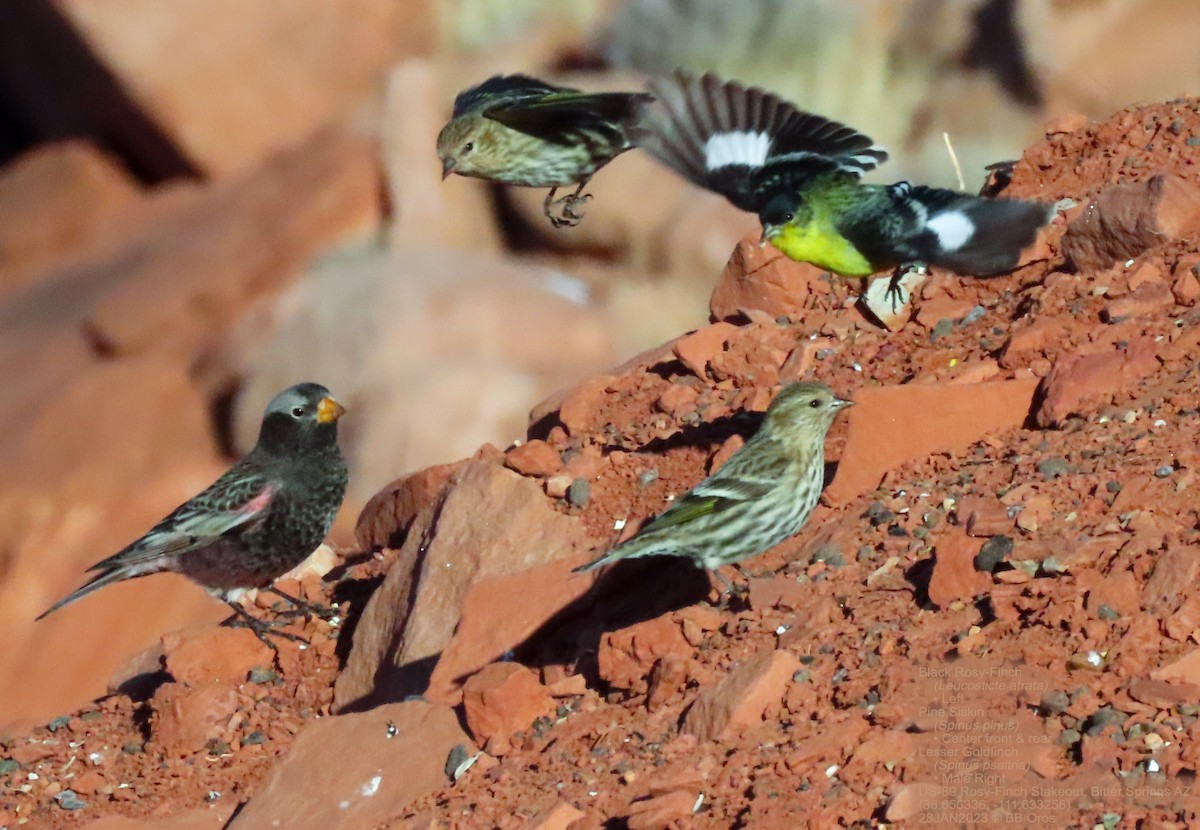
[(762, 495), (514, 129), (800, 173), (258, 520)]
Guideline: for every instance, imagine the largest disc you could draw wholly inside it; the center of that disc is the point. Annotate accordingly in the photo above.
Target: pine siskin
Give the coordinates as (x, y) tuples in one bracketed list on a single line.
[(800, 173), (514, 129), (258, 520), (762, 495)]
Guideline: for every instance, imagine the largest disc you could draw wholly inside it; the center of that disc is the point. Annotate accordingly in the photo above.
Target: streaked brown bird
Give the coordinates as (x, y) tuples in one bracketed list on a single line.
[(762, 495), (514, 129), (256, 522)]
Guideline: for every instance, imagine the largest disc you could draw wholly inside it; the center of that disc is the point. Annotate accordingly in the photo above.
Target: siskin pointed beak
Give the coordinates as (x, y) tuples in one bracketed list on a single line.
[(329, 410), (842, 403), (447, 168)]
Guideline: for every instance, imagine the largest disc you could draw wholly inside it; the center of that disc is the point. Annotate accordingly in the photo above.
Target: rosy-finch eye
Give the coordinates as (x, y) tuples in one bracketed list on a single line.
[(297, 412)]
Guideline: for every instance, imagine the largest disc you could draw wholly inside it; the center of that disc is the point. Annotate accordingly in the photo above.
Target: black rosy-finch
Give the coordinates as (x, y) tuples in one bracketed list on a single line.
[(256, 522), (762, 495), (514, 129), (801, 174)]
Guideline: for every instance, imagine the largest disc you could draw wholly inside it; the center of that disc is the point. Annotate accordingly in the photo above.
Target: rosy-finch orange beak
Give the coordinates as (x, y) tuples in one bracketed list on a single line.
[(329, 410)]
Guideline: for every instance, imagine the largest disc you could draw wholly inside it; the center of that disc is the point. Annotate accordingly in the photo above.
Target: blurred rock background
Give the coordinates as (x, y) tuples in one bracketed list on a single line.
[(203, 201)]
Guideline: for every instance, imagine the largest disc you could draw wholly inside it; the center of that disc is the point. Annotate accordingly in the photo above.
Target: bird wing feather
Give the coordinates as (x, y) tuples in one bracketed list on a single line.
[(566, 108), (727, 137), (503, 90), (231, 503)]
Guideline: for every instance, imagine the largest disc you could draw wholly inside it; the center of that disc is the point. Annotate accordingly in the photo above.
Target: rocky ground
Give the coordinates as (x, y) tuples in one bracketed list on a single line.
[(992, 620)]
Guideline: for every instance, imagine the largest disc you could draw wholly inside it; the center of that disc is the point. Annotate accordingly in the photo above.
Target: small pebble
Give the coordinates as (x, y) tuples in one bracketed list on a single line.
[(1107, 612), (579, 492), (68, 800), (1164, 471), (994, 551), (1051, 468)]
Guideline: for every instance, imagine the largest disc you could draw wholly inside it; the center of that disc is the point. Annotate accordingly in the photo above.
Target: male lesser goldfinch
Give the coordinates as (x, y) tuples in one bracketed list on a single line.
[(514, 129), (762, 495), (258, 520), (800, 173)]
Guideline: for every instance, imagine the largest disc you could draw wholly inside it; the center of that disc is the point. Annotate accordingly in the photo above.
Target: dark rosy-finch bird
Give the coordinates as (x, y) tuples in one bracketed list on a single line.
[(256, 522), (518, 130), (800, 173), (762, 495)]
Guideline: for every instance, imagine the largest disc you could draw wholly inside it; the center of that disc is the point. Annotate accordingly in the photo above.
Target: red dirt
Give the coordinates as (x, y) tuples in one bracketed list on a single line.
[(1076, 629)]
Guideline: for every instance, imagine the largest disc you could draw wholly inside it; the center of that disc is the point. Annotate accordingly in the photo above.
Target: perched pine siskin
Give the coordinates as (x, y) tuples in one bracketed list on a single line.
[(762, 495), (800, 173), (514, 129)]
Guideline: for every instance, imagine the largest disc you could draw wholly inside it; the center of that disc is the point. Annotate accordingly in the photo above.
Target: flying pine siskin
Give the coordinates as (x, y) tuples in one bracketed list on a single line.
[(514, 129), (762, 495), (801, 174)]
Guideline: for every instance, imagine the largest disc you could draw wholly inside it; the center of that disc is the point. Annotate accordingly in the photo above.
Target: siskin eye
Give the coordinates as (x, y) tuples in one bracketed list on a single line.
[(815, 404), (469, 147)]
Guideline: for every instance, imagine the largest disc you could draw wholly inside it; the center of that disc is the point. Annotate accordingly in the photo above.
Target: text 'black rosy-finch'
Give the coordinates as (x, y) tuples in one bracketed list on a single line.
[(800, 173), (514, 129), (256, 522), (762, 495)]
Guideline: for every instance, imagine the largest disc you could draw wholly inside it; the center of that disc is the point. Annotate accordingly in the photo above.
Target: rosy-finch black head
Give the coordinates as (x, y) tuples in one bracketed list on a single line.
[(763, 494), (258, 520), (518, 130)]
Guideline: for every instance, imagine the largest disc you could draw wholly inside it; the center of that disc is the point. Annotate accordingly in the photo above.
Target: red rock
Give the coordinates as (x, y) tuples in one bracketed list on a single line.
[(762, 278), (667, 678), (1066, 123), (1146, 299), (677, 400), (585, 464), (54, 201), (29, 753), (534, 458), (802, 358), (141, 663), (779, 592), (1078, 382), (579, 409), (743, 697), (1184, 670), (557, 817), (891, 424), (503, 698), (185, 719), (1184, 623), (944, 307), (1125, 220), (1186, 289), (660, 812), (1145, 273), (1162, 694), (212, 817), (1028, 341), (497, 615), (954, 576), (1118, 591), (491, 522), (193, 95), (353, 771), (386, 518), (728, 447), (983, 516), (628, 655), (696, 350), (201, 655), (262, 226), (88, 782)]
